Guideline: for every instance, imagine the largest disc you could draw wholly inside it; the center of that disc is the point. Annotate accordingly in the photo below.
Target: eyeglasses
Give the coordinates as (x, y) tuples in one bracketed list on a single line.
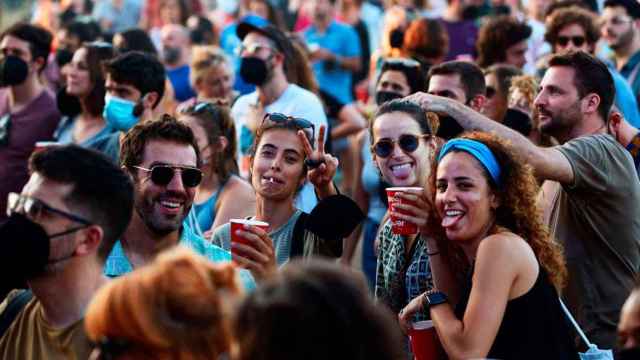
[(576, 40), (163, 174), (401, 61), (5, 125), (407, 142), (300, 123), (252, 48), (111, 349), (34, 208)]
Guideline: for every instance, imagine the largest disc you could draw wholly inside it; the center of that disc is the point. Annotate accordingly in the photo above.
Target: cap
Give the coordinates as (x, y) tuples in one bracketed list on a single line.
[(255, 23)]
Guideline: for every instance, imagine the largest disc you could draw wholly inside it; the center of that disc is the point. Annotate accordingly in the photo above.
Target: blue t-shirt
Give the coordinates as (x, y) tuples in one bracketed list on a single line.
[(341, 40), (118, 264), (625, 101), (121, 19), (179, 78), (64, 133)]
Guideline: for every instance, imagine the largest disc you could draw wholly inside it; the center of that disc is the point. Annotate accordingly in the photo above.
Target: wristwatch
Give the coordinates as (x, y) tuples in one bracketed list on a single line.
[(432, 298)]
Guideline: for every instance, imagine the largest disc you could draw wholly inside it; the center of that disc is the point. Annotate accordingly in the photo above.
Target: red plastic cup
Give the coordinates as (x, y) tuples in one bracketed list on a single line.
[(425, 344), (238, 224), (41, 145), (401, 226)]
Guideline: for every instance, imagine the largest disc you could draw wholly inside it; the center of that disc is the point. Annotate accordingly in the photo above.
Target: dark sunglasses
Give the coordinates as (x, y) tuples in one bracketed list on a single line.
[(163, 174), (111, 349), (576, 40), (300, 123), (407, 142)]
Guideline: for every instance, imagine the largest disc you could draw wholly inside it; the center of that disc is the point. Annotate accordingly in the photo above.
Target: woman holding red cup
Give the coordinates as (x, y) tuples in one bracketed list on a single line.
[(282, 158), (402, 148), (496, 271)]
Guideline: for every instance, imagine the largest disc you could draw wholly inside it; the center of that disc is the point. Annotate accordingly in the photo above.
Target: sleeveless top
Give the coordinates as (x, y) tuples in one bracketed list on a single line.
[(371, 184), (533, 327), (206, 211)]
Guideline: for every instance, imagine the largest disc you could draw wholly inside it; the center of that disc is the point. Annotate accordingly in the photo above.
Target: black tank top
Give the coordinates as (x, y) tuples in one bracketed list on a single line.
[(533, 326)]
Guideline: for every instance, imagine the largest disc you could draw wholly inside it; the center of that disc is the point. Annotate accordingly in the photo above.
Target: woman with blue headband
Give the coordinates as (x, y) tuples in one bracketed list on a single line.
[(496, 272)]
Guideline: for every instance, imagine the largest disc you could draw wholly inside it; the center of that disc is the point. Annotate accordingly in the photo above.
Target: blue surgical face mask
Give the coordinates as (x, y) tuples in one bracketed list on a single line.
[(118, 113)]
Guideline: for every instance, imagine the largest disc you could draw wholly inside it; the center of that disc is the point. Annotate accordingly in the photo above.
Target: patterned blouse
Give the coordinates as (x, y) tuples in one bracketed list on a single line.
[(399, 281)]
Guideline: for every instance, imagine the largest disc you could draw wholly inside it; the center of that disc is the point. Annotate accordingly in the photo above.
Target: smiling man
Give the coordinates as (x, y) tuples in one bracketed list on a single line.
[(163, 161), (592, 196)]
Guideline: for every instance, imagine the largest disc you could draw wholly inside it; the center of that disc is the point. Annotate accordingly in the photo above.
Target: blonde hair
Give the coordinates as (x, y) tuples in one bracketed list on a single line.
[(173, 308), (205, 58)]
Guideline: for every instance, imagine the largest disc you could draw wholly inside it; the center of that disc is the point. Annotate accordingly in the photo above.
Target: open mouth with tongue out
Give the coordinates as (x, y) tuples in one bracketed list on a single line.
[(451, 217), (402, 171), (270, 180)]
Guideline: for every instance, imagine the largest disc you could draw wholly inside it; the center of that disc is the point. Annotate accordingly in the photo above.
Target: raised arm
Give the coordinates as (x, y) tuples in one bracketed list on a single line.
[(548, 163)]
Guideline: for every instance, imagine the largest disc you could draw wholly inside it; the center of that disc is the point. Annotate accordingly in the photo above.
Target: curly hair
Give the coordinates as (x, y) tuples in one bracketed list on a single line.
[(518, 211), (564, 17), (527, 85), (496, 36)]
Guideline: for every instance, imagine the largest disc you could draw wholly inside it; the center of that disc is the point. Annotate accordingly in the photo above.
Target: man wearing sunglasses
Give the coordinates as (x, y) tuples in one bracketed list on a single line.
[(576, 29), (28, 111), (620, 28), (163, 159), (70, 213), (263, 53)]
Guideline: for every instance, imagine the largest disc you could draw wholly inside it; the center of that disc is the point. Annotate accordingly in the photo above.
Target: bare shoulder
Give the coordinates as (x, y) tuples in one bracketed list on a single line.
[(503, 244), (238, 188)]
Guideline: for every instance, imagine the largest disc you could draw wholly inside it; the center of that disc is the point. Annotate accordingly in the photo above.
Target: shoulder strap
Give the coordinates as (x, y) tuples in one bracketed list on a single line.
[(15, 305), (575, 324), (297, 239)]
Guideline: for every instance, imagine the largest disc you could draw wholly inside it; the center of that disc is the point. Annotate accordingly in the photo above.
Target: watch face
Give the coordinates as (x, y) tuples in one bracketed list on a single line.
[(436, 298)]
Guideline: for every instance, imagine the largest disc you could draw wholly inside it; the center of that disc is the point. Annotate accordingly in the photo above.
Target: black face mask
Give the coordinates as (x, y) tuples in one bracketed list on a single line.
[(25, 252), (384, 96), (171, 55), (197, 36), (629, 354), (449, 127), (254, 70), (396, 38), (68, 105), (63, 57), (13, 71)]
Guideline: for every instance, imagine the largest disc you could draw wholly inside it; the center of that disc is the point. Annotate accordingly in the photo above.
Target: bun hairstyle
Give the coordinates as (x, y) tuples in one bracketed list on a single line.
[(173, 308)]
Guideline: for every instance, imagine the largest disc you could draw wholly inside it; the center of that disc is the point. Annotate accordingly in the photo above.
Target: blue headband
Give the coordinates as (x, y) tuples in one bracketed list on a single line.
[(476, 149)]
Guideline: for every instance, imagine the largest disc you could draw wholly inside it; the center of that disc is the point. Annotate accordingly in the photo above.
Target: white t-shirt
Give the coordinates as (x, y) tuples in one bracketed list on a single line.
[(294, 101)]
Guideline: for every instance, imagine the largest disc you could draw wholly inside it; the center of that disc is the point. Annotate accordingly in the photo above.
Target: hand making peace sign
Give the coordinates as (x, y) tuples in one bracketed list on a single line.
[(321, 166)]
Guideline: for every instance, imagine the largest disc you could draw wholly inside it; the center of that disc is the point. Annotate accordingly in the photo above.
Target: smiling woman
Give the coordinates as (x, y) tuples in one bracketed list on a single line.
[(402, 149), (497, 271), (282, 158)]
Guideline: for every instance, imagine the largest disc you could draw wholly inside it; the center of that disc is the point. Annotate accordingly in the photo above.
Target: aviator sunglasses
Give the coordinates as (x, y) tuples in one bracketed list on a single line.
[(163, 174), (407, 142)]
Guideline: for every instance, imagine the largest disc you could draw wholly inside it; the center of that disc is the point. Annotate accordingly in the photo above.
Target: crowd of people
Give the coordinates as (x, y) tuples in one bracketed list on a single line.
[(191, 179)]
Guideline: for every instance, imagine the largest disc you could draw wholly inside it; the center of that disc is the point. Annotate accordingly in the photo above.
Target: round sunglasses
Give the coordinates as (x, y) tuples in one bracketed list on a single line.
[(303, 124), (163, 174), (407, 142)]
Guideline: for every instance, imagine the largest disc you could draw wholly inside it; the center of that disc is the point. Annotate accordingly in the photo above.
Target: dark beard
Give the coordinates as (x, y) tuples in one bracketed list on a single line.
[(624, 41)]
